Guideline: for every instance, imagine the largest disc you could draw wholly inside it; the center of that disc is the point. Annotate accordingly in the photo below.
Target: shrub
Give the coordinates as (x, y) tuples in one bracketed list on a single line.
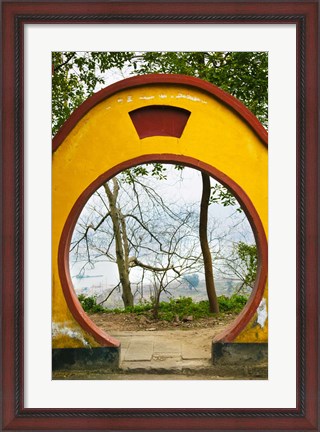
[(139, 308), (234, 304), (89, 304), (180, 307)]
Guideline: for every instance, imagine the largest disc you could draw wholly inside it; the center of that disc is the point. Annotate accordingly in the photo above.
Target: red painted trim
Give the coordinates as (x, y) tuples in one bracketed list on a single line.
[(137, 81), (159, 120), (63, 253), (160, 79), (73, 303)]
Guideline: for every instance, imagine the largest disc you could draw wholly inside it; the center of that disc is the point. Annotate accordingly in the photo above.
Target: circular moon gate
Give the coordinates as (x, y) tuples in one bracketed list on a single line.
[(155, 118)]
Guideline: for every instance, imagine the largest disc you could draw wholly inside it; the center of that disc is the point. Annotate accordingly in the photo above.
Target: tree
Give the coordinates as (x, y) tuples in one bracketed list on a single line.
[(241, 264), (121, 240), (192, 280), (207, 259), (242, 74), (76, 75), (127, 222), (228, 71), (242, 261), (182, 258)]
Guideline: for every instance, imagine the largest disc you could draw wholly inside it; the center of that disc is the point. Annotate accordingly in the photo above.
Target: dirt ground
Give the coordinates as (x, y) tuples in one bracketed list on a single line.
[(113, 322)]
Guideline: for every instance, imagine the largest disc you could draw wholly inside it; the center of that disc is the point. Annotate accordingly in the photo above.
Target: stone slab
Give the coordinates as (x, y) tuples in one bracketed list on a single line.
[(162, 346), (192, 352), (139, 350)]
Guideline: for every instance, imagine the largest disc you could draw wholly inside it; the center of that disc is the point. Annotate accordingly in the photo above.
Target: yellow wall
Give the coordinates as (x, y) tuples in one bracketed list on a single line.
[(105, 137)]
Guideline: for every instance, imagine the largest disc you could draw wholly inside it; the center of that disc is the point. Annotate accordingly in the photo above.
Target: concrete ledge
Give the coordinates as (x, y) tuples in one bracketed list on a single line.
[(239, 353), (105, 358), (211, 372)]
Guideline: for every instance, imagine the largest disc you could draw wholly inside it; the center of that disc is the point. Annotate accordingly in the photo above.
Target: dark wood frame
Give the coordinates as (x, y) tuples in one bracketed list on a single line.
[(302, 13)]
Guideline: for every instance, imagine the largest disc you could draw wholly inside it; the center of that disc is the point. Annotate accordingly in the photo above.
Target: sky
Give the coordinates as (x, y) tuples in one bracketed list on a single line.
[(181, 190), (174, 191)]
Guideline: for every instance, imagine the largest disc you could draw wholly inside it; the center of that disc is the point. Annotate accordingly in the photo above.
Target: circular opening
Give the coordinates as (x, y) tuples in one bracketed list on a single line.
[(162, 237)]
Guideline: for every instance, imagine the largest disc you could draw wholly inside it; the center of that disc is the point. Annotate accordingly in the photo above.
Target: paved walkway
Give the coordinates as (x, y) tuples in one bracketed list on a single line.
[(167, 355), (163, 351)]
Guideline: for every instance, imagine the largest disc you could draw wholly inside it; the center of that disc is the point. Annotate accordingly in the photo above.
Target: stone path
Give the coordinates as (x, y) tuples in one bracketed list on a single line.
[(167, 355), (158, 351)]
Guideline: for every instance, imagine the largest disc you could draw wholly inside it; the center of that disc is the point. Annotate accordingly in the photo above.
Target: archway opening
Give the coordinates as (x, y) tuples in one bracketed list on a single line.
[(92, 220)]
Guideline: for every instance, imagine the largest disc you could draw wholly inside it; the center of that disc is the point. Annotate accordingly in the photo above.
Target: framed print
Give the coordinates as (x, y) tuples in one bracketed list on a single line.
[(136, 126)]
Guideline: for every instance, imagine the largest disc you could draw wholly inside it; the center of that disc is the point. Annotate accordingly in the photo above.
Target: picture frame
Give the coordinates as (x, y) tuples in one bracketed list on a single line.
[(15, 15)]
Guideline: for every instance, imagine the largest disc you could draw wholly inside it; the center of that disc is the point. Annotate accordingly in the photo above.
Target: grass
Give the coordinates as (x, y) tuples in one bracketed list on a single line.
[(168, 311)]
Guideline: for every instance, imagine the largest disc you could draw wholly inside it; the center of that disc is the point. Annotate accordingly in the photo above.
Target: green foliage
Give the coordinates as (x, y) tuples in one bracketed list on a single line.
[(233, 304), (156, 169), (221, 195), (242, 74), (185, 306), (248, 255), (179, 307), (168, 311), (76, 75), (89, 304), (182, 307), (75, 78), (137, 309)]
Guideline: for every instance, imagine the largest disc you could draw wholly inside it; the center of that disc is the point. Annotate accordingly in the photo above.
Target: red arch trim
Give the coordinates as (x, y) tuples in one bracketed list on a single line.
[(155, 79), (63, 253)]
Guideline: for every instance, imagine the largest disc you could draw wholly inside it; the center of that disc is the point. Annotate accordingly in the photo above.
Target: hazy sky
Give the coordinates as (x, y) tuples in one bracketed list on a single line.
[(180, 190), (173, 191)]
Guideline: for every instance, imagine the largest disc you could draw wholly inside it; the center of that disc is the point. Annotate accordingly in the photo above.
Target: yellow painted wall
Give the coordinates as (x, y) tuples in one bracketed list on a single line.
[(105, 137)]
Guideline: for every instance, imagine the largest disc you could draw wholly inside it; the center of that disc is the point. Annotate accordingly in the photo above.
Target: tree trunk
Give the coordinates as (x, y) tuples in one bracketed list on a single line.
[(207, 260), (120, 237), (203, 228), (156, 304)]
